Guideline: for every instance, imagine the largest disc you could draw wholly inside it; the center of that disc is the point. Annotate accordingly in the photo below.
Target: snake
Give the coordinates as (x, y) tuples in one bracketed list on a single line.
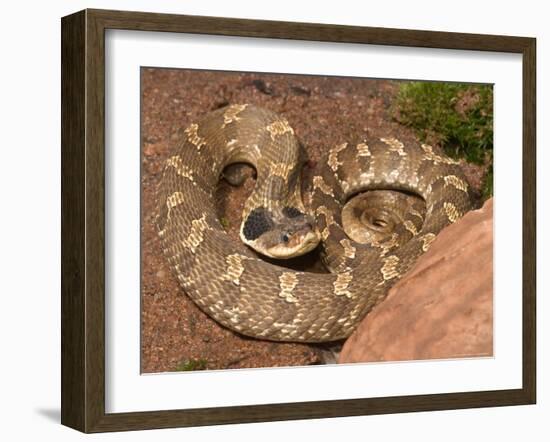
[(240, 284)]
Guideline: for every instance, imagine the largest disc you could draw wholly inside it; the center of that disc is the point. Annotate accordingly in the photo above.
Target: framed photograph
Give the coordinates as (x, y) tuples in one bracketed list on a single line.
[(268, 220)]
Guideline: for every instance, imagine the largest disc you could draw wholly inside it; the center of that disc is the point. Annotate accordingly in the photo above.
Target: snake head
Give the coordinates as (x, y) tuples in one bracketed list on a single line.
[(281, 234)]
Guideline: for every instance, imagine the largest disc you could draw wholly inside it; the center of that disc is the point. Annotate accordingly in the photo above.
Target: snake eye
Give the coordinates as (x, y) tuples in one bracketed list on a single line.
[(285, 237)]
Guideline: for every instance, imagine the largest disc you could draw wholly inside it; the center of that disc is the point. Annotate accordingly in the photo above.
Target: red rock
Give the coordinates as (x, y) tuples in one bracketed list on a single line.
[(443, 307)]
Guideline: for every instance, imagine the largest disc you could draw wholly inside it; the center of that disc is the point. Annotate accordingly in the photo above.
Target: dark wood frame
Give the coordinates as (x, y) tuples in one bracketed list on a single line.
[(83, 216)]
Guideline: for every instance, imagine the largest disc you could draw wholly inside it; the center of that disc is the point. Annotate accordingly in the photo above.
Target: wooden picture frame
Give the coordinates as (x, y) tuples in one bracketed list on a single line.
[(83, 220)]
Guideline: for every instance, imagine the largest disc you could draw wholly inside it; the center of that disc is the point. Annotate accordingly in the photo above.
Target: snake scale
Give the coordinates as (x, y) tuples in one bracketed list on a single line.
[(233, 285)]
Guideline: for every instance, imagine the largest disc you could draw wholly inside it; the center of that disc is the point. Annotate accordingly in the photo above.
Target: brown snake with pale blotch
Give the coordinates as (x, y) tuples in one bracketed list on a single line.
[(233, 285)]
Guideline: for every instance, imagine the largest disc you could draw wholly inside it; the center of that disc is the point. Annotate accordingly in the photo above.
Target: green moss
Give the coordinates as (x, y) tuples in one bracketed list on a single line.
[(192, 365), (224, 222), (458, 117), (487, 189)]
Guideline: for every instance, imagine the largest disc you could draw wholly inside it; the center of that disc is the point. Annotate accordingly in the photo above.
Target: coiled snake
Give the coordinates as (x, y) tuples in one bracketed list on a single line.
[(228, 280)]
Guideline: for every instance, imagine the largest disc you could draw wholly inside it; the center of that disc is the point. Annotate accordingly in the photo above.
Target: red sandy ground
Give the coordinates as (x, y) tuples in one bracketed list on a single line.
[(323, 111)]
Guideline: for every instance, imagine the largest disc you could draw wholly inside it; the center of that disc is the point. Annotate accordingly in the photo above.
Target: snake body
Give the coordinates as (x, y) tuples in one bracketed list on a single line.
[(237, 288)]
